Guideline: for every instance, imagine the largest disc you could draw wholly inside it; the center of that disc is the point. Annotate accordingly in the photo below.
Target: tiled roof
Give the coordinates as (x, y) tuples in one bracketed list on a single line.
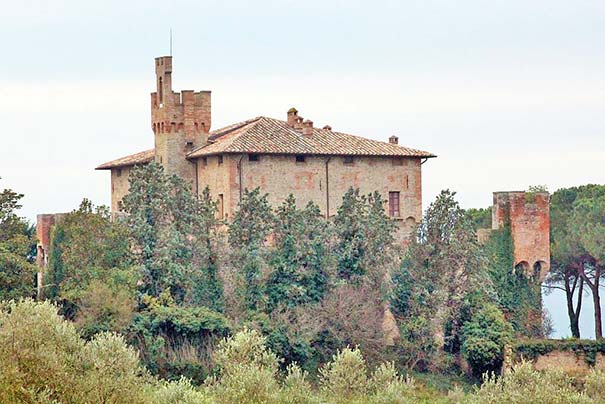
[(133, 159), (264, 135)]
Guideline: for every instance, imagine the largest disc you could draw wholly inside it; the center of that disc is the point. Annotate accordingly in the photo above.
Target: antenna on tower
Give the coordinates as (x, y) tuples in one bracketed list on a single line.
[(170, 41)]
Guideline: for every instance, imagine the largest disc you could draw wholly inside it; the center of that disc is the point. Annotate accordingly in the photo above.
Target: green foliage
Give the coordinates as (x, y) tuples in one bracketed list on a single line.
[(90, 261), (530, 194), (42, 359), (442, 267), (174, 340), (247, 370), (301, 256), (523, 385), (364, 236), (518, 295), (252, 224), (484, 338), (171, 230), (17, 273), (480, 218), (345, 378)]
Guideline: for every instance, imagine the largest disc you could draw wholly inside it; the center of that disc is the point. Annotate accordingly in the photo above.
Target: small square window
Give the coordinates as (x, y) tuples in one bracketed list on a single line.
[(220, 159), (253, 157), (119, 172), (204, 161), (300, 158), (348, 160)]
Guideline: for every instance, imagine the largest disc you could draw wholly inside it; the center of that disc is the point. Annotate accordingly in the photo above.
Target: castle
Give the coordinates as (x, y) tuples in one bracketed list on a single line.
[(292, 156), (281, 157)]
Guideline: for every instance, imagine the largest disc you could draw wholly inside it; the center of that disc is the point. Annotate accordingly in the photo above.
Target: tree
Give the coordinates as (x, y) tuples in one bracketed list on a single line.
[(17, 250), (588, 225), (364, 237), (484, 338), (171, 232), (576, 245), (89, 271), (252, 224), (443, 265), (301, 256)]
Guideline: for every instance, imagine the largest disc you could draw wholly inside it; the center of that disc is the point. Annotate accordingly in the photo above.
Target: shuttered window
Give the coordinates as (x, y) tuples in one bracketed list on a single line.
[(394, 204)]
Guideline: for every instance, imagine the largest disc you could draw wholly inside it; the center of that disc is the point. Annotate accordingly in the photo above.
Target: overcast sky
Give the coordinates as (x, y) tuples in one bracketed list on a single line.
[(507, 93)]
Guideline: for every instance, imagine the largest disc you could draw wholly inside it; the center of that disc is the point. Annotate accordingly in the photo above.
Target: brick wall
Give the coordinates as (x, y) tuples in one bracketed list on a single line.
[(529, 219)]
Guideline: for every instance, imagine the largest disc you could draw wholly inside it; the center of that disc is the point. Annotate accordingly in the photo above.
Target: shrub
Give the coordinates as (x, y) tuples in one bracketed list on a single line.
[(595, 381), (246, 370), (344, 379), (524, 385), (179, 392), (42, 359), (483, 339), (387, 386)]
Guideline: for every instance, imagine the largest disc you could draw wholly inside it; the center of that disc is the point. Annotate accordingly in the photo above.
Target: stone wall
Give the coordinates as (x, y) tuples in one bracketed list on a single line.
[(321, 179)]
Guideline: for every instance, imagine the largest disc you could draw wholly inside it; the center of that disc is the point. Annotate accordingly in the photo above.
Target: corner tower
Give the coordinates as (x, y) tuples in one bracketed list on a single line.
[(528, 215), (180, 121)]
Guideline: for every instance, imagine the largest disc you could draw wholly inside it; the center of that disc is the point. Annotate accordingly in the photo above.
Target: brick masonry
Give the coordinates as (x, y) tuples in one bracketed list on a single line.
[(529, 218)]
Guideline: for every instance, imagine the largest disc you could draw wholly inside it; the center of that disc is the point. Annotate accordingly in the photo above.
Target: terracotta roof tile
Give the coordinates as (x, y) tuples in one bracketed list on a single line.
[(137, 158), (272, 136)]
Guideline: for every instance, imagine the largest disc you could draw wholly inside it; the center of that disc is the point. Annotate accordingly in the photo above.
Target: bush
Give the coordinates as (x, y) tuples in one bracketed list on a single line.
[(524, 385), (345, 378), (42, 359), (483, 339), (246, 370), (595, 381)]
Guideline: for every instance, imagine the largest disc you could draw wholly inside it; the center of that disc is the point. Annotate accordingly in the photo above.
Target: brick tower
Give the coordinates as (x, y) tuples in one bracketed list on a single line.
[(528, 215), (180, 121)]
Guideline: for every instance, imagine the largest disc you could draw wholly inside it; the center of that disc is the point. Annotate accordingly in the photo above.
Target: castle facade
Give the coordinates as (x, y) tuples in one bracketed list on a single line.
[(281, 157)]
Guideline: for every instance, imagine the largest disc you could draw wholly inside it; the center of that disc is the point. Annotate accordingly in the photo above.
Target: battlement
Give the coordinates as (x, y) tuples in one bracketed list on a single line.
[(528, 215), (188, 112)]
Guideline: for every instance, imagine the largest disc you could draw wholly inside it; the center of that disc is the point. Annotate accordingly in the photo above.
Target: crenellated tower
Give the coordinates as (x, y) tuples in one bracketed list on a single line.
[(180, 121)]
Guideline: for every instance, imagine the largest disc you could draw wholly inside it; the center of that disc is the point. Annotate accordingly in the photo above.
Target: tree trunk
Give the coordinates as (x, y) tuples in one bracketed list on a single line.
[(574, 314), (596, 299), (598, 327)]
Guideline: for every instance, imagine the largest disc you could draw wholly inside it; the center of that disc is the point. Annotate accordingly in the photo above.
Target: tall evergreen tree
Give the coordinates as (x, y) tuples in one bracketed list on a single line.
[(301, 255)]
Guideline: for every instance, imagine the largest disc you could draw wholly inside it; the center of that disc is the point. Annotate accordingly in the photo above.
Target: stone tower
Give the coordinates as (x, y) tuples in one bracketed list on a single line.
[(180, 121), (528, 215)]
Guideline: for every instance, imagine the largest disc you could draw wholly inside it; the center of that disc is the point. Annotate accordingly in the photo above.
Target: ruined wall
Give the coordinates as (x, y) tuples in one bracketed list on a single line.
[(44, 227), (528, 215), (281, 175)]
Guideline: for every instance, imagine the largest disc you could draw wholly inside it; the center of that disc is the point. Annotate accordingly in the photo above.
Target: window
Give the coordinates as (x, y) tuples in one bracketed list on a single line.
[(189, 146), (397, 162), (348, 160), (300, 158), (253, 157), (221, 207), (204, 161), (119, 172), (220, 159), (394, 204)]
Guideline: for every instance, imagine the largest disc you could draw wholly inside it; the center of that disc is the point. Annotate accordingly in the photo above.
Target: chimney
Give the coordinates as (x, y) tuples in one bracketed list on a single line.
[(394, 140), (307, 128), (327, 127), (292, 115)]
